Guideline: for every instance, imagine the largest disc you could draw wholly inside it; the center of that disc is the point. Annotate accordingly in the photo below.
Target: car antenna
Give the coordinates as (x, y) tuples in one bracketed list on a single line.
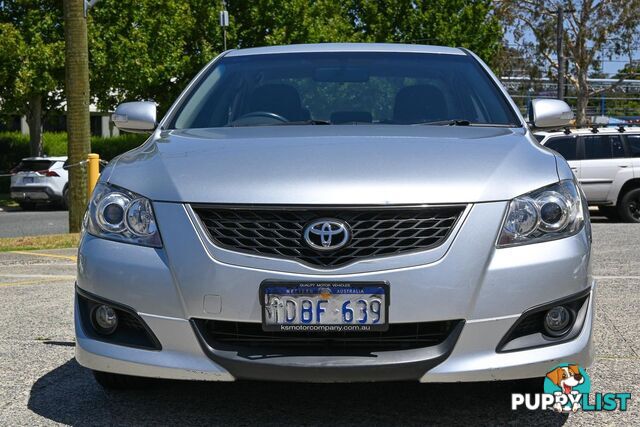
[(594, 128), (621, 128), (567, 130)]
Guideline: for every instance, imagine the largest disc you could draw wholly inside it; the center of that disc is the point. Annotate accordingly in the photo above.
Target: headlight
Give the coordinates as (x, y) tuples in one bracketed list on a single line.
[(550, 213), (118, 214)]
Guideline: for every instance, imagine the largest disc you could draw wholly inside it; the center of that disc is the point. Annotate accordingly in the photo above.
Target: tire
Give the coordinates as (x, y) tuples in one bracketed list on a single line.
[(629, 206), (611, 212), (111, 381), (64, 203), (27, 206)]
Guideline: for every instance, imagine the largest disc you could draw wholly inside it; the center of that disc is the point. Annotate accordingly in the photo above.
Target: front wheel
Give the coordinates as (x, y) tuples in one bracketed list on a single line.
[(629, 206), (120, 382)]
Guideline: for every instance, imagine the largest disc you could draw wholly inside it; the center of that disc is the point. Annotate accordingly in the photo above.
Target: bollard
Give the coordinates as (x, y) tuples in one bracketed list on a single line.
[(93, 171)]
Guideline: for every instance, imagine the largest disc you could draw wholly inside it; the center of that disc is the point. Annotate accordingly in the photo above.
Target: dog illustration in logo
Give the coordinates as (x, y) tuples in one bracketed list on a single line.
[(566, 378)]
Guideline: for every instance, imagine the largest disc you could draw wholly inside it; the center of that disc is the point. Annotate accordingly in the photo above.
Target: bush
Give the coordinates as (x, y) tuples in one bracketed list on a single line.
[(108, 148), (14, 146)]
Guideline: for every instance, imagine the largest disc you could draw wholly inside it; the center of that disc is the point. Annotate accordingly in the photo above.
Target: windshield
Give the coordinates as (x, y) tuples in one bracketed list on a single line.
[(344, 88), (33, 165)]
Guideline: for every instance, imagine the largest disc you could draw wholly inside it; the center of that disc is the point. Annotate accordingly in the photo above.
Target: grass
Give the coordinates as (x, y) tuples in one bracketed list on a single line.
[(52, 241), (6, 202)]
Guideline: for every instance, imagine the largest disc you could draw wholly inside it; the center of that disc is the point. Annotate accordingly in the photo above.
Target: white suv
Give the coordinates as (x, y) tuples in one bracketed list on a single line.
[(606, 161), (40, 180)]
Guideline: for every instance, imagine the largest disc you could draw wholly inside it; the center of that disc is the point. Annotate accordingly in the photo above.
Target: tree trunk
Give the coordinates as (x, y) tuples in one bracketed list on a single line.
[(582, 100), (34, 120), (77, 94)]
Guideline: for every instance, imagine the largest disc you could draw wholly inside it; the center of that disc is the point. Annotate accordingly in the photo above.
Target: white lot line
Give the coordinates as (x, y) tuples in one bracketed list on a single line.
[(617, 277), (52, 279), (42, 276), (67, 257), (37, 279)]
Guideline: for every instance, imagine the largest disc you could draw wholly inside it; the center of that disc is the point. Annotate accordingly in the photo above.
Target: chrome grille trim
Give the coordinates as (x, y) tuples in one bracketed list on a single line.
[(378, 231)]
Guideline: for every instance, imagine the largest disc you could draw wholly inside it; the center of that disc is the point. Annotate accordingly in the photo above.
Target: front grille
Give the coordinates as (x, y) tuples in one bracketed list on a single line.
[(278, 232), (249, 337)]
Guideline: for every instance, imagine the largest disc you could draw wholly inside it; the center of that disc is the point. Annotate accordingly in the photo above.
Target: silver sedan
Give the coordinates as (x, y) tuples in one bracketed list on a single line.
[(330, 213)]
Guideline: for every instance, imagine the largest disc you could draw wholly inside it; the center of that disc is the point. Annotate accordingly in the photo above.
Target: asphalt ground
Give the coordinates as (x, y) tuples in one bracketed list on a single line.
[(14, 222), (41, 383)]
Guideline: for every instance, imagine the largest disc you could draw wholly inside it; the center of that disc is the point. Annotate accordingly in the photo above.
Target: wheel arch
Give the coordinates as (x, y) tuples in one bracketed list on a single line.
[(631, 184)]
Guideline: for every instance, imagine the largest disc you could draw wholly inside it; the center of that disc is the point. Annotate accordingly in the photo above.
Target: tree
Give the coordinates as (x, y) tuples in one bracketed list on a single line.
[(461, 23), (273, 22), (137, 53), (77, 94), (149, 49), (31, 62), (590, 28)]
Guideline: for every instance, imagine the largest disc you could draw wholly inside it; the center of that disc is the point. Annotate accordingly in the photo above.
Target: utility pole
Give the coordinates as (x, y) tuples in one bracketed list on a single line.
[(560, 52), (77, 94), (224, 23)]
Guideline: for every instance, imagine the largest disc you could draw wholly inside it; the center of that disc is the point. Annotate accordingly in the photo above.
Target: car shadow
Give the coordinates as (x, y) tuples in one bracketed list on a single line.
[(69, 395), (597, 218)]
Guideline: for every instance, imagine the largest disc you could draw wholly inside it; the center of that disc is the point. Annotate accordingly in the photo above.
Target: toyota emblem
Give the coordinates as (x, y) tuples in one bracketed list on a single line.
[(327, 234)]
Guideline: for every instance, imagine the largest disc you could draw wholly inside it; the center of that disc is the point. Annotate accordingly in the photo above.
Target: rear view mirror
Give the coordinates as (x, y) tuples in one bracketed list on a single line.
[(549, 113), (341, 74), (136, 117)]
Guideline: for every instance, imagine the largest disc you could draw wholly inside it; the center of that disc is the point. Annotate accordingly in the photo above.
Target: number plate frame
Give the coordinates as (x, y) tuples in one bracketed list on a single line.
[(381, 327)]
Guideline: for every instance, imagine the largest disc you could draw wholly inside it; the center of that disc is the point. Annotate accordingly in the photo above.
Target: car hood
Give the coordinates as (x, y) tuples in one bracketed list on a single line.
[(353, 165)]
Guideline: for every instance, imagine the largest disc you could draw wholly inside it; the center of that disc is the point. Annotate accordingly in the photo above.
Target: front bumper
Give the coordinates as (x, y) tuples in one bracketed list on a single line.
[(473, 358), (489, 289)]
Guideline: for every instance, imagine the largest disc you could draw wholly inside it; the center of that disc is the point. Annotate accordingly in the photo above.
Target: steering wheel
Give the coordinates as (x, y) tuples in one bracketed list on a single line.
[(264, 115)]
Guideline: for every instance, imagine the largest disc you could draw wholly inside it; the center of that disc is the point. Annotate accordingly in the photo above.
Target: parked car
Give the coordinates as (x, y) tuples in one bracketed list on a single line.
[(336, 213), (606, 162), (38, 180)]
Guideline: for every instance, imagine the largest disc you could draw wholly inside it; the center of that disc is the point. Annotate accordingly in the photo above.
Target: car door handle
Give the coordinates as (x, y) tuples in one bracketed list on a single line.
[(623, 166), (574, 169)]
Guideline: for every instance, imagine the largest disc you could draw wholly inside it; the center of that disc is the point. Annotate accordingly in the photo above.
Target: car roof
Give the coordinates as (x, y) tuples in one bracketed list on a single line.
[(347, 47), (590, 131), (52, 159)]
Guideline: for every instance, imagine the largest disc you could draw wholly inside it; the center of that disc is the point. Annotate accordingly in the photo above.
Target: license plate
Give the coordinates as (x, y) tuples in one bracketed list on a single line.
[(27, 180), (324, 306)]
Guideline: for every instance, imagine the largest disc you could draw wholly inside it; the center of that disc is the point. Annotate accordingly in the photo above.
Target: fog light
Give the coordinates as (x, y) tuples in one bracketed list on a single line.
[(105, 319), (557, 321)]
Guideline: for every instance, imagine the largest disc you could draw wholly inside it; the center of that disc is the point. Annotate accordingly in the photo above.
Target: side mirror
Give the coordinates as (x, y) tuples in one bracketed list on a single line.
[(136, 117), (549, 113)]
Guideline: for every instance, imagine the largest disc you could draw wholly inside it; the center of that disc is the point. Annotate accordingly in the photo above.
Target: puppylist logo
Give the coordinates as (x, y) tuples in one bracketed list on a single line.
[(567, 388)]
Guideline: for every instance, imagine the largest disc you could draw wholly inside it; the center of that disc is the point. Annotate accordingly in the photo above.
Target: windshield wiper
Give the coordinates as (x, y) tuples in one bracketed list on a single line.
[(451, 122), (298, 122), (305, 122), (464, 122)]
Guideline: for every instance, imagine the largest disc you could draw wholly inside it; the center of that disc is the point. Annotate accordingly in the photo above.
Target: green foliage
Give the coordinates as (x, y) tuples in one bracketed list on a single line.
[(463, 23), (273, 22), (137, 53), (147, 49), (108, 148), (31, 53), (150, 49)]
